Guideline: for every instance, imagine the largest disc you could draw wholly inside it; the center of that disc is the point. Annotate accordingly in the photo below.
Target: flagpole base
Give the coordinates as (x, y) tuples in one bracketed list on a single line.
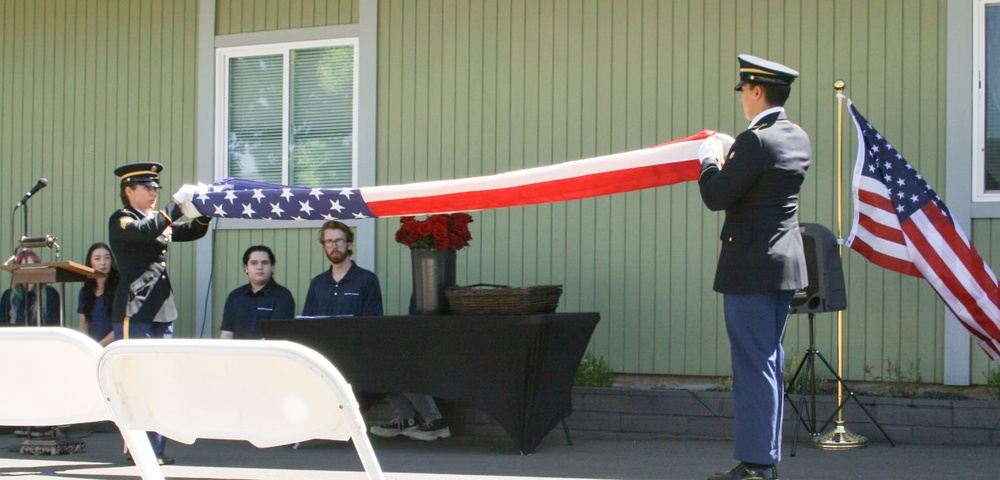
[(839, 439)]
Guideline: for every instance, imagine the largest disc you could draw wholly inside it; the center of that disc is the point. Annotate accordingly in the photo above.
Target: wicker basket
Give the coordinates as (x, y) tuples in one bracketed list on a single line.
[(484, 299)]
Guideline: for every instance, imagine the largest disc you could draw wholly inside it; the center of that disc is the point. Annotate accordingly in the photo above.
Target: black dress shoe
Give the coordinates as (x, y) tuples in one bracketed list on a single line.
[(744, 471)]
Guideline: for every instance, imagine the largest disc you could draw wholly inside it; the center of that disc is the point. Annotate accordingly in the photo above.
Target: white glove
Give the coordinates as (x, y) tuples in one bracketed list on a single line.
[(711, 148), (186, 193), (184, 198), (190, 210)]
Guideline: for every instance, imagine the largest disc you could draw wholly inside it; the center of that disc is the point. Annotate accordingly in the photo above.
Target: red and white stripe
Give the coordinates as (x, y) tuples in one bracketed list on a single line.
[(957, 273), (665, 164), (876, 233)]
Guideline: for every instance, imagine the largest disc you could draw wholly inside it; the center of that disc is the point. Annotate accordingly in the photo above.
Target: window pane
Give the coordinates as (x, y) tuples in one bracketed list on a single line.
[(992, 110), (321, 134), (255, 118)]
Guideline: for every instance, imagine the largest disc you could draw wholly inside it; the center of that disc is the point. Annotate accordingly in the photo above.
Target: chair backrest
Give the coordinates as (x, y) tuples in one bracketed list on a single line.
[(49, 377), (266, 392)]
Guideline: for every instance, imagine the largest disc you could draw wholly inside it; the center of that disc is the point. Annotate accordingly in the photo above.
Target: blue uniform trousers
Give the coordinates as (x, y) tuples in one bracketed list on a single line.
[(755, 324)]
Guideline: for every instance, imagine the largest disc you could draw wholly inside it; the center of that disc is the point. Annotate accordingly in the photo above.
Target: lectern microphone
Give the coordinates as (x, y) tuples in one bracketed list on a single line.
[(38, 186), (47, 241)]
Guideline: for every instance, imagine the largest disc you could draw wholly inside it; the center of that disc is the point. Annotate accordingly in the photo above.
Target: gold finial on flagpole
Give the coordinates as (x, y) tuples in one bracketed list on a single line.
[(840, 438)]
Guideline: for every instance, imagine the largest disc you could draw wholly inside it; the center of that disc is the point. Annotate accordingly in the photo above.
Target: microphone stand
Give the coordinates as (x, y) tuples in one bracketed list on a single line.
[(38, 293), (24, 212)]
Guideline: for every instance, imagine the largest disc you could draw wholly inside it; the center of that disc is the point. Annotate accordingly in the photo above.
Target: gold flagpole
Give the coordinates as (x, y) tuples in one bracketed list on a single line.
[(839, 438)]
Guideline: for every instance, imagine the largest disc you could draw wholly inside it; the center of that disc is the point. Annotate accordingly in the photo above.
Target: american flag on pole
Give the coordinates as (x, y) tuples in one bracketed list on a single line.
[(902, 225), (656, 166)]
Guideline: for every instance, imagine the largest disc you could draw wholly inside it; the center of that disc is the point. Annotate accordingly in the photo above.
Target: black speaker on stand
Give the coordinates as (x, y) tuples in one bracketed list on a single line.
[(825, 292)]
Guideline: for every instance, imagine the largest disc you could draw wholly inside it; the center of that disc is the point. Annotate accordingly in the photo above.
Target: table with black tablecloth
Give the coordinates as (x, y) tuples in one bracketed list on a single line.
[(518, 369)]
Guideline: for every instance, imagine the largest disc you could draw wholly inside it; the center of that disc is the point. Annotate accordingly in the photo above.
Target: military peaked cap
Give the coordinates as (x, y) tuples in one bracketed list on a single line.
[(757, 70), (147, 173)]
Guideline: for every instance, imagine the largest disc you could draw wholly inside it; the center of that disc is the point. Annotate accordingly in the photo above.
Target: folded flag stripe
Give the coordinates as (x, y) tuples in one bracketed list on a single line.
[(656, 166), (661, 165), (901, 224), (575, 188)]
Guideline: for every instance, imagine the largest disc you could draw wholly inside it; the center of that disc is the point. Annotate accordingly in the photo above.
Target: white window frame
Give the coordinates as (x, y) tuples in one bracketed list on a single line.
[(208, 43), (979, 104), (224, 54)]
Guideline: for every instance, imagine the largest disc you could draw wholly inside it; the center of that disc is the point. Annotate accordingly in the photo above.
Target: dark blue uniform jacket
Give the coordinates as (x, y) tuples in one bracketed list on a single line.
[(140, 245), (758, 187)]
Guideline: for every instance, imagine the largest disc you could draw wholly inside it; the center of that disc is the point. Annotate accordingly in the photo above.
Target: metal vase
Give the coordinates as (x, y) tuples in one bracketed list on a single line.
[(433, 272)]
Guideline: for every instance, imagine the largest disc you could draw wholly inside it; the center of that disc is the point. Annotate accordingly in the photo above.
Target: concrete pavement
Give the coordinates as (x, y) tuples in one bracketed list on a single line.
[(478, 458)]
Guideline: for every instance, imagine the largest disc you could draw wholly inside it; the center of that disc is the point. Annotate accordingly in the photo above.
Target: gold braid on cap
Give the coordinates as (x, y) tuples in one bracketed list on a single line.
[(141, 172), (757, 70)]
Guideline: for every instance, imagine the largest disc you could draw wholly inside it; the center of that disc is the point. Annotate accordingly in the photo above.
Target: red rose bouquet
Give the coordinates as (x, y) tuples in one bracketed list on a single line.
[(441, 231)]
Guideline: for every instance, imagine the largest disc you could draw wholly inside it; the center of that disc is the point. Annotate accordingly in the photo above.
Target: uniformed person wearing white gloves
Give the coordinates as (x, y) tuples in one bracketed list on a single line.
[(762, 262), (140, 236)]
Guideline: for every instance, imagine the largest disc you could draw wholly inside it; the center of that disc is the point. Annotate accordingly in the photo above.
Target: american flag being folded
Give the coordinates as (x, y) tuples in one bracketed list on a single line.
[(664, 164), (902, 225)]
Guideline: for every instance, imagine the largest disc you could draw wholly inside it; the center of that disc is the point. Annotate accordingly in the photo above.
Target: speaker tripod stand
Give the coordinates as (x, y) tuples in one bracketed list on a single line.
[(806, 412)]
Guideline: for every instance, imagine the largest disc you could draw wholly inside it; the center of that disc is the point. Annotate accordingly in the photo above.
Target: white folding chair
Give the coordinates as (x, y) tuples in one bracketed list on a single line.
[(266, 392), (50, 378)]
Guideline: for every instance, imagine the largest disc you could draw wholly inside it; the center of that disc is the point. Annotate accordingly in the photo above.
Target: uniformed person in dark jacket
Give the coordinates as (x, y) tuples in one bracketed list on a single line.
[(139, 237), (762, 262)]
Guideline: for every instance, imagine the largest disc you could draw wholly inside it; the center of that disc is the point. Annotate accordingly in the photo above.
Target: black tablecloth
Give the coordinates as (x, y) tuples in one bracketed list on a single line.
[(518, 369)]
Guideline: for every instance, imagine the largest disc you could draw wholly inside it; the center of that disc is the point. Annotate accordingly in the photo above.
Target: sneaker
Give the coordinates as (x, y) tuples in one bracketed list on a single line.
[(745, 471), (395, 427), (430, 431)]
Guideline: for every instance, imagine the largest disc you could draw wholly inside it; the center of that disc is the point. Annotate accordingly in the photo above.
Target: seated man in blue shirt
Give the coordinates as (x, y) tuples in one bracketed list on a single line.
[(349, 290), (345, 289), (260, 300)]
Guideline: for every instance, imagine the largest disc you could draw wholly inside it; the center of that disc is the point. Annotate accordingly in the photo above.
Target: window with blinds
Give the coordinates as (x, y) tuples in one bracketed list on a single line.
[(289, 113), (991, 98)]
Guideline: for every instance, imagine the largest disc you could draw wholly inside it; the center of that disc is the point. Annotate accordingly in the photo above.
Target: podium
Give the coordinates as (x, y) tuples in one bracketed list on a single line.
[(51, 272)]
